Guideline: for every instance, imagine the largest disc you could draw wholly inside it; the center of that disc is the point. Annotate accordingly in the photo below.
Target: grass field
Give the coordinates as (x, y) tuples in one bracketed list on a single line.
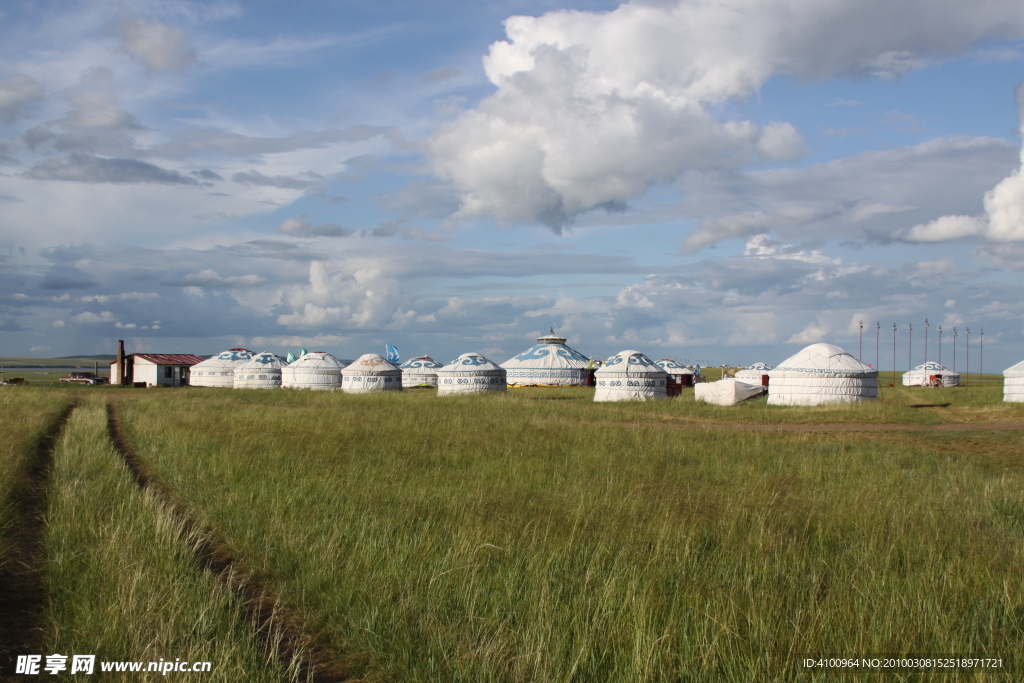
[(538, 536)]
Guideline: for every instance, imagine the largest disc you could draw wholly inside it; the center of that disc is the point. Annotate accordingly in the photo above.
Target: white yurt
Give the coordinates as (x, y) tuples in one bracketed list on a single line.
[(370, 372), (419, 372), (548, 363), (630, 376), (1013, 383), (470, 373), (753, 374), (726, 392), (821, 373), (683, 374), (262, 371), (219, 370), (316, 370), (921, 376)]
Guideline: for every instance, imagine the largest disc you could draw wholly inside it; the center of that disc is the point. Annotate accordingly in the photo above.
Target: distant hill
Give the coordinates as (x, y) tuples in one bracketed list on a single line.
[(65, 362), (102, 356)]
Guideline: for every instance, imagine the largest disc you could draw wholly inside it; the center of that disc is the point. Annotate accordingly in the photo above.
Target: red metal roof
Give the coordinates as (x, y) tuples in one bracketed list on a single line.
[(167, 358)]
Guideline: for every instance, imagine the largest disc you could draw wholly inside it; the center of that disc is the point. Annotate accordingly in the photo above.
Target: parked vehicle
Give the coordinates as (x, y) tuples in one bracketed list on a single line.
[(84, 378)]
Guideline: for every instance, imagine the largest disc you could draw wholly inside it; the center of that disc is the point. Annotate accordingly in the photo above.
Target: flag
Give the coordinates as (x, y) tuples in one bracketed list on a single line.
[(392, 353), (302, 352), (291, 357)]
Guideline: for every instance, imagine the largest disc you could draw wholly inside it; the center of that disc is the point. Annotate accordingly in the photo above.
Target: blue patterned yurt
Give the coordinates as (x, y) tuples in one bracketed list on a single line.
[(753, 374), (262, 371), (219, 370), (921, 375), (470, 373), (419, 372), (370, 372), (549, 363), (630, 376)]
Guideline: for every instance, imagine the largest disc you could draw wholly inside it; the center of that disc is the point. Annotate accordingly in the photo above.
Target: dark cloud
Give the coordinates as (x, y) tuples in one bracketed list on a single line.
[(87, 168), (17, 95), (199, 141), (66, 277), (303, 181), (207, 174)]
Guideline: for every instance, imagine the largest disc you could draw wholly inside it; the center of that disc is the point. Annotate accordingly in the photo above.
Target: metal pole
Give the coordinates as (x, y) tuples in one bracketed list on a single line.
[(955, 335), (926, 326), (910, 348), (860, 353), (967, 373), (981, 360), (894, 354), (878, 334), (940, 344)]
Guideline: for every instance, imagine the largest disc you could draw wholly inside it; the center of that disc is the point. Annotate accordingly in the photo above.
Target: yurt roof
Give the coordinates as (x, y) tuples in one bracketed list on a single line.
[(317, 359), (758, 366), (471, 362), (229, 358), (932, 367), (265, 359), (630, 362), (420, 363), (824, 359), (371, 363), (673, 367), (1015, 370), (550, 352)]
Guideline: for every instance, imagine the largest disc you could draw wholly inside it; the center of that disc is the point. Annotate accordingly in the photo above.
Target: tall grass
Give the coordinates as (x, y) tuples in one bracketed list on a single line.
[(539, 536), (121, 577)]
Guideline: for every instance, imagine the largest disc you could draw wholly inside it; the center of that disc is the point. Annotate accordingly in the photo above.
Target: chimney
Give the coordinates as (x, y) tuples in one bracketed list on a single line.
[(120, 363)]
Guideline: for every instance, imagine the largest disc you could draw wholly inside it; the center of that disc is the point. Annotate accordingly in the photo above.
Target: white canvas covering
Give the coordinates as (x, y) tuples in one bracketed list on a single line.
[(752, 374), (470, 373), (548, 363), (419, 372), (262, 371), (219, 370), (922, 374), (726, 392), (630, 376), (370, 372), (317, 370), (1013, 383), (673, 367), (821, 373)]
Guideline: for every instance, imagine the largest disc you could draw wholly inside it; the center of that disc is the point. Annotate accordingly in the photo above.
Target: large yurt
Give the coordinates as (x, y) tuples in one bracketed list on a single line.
[(470, 373), (549, 363), (370, 372), (630, 376), (922, 375), (677, 371), (219, 370), (317, 370), (821, 373), (262, 371), (1013, 383), (420, 372), (754, 374), (726, 392)]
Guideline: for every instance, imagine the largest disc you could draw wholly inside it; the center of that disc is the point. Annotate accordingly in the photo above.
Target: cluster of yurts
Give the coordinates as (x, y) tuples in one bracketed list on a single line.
[(820, 373)]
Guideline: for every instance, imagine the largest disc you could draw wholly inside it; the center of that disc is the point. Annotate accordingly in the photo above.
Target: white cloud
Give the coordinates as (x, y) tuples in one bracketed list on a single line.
[(946, 228), (592, 109), (90, 318), (210, 278), (361, 299), (814, 332), (160, 48)]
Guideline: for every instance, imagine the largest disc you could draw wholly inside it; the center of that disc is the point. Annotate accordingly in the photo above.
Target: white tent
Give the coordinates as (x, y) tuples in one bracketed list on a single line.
[(753, 374), (419, 372), (219, 370), (922, 375), (262, 371), (548, 363), (821, 373), (1013, 383), (470, 373), (726, 392), (316, 370), (370, 372), (630, 376)]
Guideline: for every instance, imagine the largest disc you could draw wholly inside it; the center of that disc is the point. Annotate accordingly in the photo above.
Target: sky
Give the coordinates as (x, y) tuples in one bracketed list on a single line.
[(714, 182)]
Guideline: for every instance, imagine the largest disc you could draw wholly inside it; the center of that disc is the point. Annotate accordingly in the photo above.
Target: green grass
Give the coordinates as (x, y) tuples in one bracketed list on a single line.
[(539, 536), (122, 581)]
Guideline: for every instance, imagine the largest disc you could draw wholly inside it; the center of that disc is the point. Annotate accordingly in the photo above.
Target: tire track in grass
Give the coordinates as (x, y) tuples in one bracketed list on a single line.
[(275, 626), (22, 591)]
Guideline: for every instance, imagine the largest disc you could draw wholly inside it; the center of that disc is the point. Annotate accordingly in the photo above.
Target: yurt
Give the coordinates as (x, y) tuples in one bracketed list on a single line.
[(630, 376), (370, 372), (470, 373), (754, 374), (676, 370), (726, 392), (262, 371), (922, 375), (317, 370), (1013, 383), (419, 372), (549, 363), (821, 373), (219, 370)]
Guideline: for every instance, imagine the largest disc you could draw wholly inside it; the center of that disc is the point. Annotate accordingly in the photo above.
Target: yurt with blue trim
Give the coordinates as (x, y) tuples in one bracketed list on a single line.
[(676, 371), (317, 370), (420, 372), (219, 370), (549, 363), (468, 374), (630, 376), (262, 371), (820, 374), (754, 374), (370, 372), (931, 374)]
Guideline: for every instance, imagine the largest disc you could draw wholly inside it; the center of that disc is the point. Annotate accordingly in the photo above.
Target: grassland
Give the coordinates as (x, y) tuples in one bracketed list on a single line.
[(541, 537)]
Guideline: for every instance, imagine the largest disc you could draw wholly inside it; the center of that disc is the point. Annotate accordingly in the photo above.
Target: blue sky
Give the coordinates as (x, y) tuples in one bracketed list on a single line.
[(716, 182)]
